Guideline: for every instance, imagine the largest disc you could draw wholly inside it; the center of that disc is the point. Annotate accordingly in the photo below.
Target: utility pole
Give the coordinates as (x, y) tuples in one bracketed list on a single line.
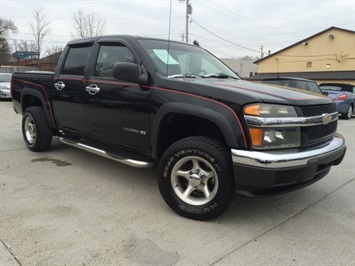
[(188, 12), (182, 35)]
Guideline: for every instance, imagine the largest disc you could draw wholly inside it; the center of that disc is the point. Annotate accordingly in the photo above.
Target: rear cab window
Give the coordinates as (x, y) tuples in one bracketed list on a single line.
[(78, 59)]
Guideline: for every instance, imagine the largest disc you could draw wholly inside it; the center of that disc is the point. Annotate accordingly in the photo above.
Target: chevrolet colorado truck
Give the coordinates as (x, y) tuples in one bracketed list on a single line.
[(147, 102)]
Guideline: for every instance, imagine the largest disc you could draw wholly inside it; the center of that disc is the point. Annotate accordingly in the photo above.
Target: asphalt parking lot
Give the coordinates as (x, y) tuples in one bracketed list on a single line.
[(70, 207)]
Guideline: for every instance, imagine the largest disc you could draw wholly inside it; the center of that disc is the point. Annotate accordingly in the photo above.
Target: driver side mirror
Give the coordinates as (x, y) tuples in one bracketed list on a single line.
[(131, 72)]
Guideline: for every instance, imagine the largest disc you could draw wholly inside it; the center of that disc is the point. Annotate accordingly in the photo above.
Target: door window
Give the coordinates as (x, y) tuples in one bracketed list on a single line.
[(108, 56), (77, 60)]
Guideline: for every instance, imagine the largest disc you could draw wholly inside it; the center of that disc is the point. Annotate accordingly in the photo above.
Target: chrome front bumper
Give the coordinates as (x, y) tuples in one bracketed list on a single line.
[(288, 158)]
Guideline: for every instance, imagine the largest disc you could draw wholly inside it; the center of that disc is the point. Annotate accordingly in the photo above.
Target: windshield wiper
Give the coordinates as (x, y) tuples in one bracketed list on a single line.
[(218, 75), (187, 75)]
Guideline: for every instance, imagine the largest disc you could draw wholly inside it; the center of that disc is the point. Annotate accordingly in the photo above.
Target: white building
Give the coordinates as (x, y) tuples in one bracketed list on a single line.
[(244, 66)]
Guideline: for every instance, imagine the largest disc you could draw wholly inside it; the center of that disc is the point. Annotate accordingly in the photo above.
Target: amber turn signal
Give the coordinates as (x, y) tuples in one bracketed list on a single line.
[(252, 109), (256, 135)]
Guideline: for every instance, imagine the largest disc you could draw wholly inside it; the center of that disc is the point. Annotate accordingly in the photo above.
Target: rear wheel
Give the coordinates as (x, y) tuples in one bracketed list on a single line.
[(195, 178), (36, 130)]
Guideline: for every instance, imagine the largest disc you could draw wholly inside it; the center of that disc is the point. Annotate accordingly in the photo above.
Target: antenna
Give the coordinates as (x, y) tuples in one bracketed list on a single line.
[(167, 56)]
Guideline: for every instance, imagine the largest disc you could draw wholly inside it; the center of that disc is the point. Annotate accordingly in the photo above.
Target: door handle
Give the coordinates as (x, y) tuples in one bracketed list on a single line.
[(59, 85), (92, 89)]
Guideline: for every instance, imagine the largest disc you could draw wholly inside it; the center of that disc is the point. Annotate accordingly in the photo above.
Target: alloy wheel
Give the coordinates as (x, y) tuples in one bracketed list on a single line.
[(30, 130), (194, 180)]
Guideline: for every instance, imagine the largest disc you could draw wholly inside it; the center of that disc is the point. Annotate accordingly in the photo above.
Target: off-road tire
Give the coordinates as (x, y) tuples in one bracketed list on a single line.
[(36, 130), (195, 178)]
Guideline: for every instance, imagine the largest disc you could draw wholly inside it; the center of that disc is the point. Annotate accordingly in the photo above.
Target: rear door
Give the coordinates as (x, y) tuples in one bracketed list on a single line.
[(69, 87), (116, 111)]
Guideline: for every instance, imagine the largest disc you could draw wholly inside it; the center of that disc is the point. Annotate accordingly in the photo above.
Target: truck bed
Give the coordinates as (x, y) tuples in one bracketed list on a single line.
[(38, 81)]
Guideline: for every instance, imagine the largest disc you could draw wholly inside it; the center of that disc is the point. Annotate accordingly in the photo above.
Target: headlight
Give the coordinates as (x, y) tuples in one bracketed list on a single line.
[(270, 110), (266, 125)]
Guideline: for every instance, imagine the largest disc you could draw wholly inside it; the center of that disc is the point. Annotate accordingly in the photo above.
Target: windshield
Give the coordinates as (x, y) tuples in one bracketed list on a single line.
[(5, 77), (176, 60), (314, 87)]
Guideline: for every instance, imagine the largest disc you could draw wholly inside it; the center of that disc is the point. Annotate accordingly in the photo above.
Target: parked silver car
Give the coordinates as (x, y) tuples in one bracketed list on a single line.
[(5, 79)]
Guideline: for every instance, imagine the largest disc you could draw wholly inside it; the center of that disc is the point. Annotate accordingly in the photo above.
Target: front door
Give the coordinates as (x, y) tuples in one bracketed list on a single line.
[(116, 111)]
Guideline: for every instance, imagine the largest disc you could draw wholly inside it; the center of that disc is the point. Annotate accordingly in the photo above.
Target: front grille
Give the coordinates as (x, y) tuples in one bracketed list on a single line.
[(315, 110), (319, 133)]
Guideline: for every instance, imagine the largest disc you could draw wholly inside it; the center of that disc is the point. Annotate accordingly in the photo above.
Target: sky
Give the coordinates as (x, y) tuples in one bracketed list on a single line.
[(228, 29)]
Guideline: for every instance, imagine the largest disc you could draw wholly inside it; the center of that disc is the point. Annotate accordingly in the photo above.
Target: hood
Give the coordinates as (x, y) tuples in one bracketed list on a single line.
[(243, 92)]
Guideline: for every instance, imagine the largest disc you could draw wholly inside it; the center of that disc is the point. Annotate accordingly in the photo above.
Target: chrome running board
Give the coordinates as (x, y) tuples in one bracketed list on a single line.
[(102, 153)]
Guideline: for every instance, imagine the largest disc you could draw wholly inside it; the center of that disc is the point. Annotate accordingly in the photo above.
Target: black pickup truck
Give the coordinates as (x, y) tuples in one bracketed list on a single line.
[(147, 102)]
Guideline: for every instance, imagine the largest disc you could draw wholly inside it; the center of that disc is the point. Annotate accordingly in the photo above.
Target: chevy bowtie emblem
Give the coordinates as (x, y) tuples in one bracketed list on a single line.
[(326, 119)]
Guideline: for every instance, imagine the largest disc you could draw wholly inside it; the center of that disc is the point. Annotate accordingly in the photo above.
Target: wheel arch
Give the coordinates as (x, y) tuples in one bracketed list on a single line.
[(199, 117), (30, 97)]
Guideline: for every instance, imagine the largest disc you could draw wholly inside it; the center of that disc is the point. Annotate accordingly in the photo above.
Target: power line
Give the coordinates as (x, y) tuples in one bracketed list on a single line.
[(106, 18), (60, 35), (235, 44), (209, 40), (250, 21), (12, 39), (261, 26)]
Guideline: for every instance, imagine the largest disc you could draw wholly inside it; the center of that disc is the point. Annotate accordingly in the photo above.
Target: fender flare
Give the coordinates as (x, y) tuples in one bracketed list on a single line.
[(45, 104), (211, 115)]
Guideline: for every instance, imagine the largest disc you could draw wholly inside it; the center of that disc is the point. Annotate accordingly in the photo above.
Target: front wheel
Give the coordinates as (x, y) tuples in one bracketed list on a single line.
[(36, 130), (195, 178)]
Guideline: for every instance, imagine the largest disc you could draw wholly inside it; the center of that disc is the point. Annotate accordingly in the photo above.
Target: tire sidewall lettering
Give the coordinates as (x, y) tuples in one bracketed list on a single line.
[(178, 156), (217, 156), (198, 210), (186, 152)]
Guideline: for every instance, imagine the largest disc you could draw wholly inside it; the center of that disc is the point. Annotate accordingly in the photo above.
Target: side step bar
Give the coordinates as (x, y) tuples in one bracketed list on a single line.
[(117, 158)]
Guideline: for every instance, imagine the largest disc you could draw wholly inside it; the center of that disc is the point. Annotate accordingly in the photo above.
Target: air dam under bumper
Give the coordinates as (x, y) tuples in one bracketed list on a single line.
[(262, 173)]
